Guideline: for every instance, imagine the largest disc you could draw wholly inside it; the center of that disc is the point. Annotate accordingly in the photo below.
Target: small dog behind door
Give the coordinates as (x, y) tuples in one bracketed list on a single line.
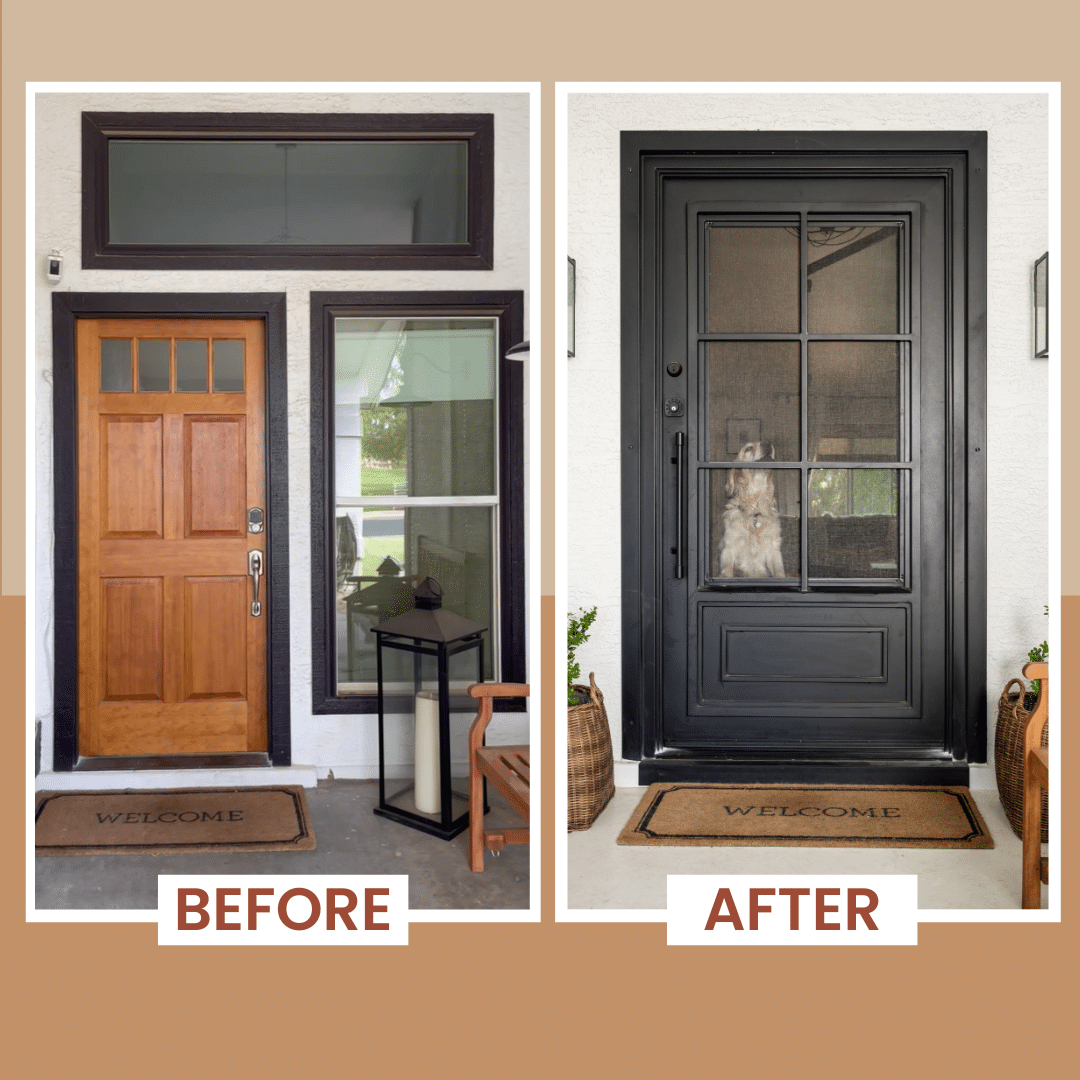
[(750, 544)]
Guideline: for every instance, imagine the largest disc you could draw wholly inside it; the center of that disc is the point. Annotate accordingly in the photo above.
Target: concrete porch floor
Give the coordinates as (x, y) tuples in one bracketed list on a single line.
[(601, 874), (350, 840)]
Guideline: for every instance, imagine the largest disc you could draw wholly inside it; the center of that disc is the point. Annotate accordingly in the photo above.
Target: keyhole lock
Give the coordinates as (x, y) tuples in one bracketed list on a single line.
[(674, 368), (673, 407)]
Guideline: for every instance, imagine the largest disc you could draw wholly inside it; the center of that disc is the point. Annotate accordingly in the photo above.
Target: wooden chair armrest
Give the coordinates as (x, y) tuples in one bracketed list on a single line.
[(1033, 728), (487, 692), (494, 689)]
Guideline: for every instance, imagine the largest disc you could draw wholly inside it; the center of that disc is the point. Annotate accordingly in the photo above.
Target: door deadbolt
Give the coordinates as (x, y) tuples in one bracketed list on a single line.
[(255, 520), (674, 368)]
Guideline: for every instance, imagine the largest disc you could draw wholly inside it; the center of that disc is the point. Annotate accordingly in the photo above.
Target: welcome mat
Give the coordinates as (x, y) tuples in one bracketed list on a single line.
[(195, 820), (755, 815)]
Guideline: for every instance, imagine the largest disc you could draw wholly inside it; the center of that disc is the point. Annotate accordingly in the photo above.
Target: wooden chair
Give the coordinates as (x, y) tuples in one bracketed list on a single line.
[(1036, 780), (506, 767)]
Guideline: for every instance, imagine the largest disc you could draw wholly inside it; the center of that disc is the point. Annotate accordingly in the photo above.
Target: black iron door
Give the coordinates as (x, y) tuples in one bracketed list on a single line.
[(801, 470)]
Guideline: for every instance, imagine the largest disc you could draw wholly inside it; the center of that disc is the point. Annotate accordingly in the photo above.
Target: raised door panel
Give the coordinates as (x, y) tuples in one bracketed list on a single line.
[(797, 659), (131, 476), (215, 481), (132, 661), (215, 644)]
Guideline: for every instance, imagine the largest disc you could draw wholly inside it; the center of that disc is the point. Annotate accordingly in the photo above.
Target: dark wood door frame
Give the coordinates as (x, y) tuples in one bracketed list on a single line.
[(68, 308), (648, 160)]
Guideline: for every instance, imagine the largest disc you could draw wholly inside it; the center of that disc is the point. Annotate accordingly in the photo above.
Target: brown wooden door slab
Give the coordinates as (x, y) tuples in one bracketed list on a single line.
[(171, 450)]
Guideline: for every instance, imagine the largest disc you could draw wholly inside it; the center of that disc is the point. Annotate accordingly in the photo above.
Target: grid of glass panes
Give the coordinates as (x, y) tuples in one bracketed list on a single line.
[(805, 358), (415, 481), (165, 365)]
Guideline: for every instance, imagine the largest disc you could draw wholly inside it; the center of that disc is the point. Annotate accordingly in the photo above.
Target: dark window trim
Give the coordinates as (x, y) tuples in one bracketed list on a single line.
[(478, 129), (960, 158), (68, 308), (509, 308)]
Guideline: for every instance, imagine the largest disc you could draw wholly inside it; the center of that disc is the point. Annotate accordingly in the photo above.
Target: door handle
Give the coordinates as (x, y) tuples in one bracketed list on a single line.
[(679, 461), (255, 569)]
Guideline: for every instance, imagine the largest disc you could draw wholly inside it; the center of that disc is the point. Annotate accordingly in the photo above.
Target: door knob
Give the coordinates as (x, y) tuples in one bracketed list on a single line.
[(255, 569)]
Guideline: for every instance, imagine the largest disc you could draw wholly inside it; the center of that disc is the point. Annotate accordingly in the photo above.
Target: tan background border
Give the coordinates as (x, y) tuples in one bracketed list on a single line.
[(103, 1000)]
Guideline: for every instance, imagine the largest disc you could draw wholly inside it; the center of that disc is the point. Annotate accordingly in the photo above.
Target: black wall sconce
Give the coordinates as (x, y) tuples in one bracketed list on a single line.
[(571, 293), (1041, 291)]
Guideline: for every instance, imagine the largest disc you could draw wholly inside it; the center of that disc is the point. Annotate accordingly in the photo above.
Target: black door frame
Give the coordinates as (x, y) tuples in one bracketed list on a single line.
[(959, 160), (68, 308)]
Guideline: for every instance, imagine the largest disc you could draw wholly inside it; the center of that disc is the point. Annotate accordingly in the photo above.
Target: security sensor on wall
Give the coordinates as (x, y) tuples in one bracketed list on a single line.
[(54, 266)]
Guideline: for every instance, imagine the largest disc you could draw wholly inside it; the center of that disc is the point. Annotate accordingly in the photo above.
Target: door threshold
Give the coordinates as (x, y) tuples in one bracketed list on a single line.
[(173, 761), (714, 771)]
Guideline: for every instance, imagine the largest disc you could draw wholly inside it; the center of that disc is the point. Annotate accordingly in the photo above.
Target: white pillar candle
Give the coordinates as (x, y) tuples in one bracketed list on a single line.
[(426, 752)]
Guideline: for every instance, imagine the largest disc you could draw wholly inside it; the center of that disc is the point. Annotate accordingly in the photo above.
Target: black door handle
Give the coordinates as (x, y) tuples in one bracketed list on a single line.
[(680, 483)]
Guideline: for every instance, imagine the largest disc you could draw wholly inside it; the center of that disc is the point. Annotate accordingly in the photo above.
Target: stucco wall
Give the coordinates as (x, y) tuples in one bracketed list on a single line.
[(1017, 481), (346, 744)]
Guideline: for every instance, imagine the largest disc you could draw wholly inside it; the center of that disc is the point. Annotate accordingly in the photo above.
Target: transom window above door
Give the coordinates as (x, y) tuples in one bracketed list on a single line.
[(288, 191), (804, 349)]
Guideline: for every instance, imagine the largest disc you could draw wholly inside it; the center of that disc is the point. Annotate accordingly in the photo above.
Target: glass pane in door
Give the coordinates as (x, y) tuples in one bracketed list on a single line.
[(853, 276), (854, 523), (753, 524), (753, 274), (753, 394), (116, 365), (854, 400), (228, 367), (153, 357), (191, 366)]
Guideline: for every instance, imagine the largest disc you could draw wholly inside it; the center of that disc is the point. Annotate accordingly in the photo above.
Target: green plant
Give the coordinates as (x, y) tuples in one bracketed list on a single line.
[(1039, 653), (577, 633)]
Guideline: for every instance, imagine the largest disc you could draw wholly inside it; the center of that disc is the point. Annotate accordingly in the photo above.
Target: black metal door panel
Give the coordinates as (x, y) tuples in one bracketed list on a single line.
[(801, 476), (778, 656)]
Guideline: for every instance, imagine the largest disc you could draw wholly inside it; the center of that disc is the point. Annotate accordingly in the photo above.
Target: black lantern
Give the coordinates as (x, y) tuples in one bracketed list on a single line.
[(415, 652)]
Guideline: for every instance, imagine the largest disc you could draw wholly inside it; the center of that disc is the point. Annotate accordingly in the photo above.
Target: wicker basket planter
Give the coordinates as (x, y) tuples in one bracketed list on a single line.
[(590, 762), (1014, 708)]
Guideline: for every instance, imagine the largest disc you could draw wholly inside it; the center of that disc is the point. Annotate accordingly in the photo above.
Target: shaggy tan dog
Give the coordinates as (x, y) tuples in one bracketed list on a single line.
[(750, 545)]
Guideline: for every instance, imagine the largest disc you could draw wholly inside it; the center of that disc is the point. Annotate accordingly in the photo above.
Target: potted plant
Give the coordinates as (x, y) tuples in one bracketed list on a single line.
[(577, 633), (590, 762), (1014, 708), (1037, 655)]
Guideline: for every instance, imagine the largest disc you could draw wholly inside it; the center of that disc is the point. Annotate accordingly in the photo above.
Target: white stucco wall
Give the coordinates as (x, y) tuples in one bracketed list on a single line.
[(1017, 417), (345, 744)]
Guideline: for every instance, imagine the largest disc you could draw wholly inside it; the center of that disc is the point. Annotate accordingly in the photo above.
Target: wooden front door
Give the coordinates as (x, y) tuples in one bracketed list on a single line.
[(171, 490)]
